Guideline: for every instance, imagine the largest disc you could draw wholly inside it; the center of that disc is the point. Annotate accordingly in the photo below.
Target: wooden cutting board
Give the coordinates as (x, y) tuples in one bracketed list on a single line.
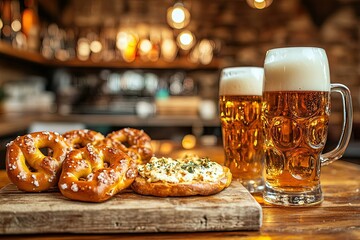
[(230, 210)]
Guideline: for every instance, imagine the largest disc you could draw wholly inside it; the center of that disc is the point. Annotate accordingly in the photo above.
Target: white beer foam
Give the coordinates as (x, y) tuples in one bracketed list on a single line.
[(242, 81), (296, 69)]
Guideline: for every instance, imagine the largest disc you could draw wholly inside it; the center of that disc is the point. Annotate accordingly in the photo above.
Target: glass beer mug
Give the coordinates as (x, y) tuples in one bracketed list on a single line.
[(295, 116), (240, 102)]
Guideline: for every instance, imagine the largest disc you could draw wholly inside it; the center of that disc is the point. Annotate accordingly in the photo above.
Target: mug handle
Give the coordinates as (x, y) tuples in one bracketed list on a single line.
[(339, 150)]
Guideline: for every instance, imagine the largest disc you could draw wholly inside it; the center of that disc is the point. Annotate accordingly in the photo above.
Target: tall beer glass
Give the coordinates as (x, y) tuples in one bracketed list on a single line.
[(295, 117), (240, 103)]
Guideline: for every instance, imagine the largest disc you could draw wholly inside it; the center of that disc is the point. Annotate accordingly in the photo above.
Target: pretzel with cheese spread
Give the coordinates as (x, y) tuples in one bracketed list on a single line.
[(80, 138), (188, 176), (136, 143), (96, 173), (33, 161)]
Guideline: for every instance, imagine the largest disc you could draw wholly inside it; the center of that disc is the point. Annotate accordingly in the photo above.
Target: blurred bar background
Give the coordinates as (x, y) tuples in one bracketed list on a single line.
[(154, 64)]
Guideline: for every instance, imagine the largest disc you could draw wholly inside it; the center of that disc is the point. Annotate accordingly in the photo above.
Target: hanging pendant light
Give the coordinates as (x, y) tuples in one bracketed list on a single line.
[(259, 4), (178, 16)]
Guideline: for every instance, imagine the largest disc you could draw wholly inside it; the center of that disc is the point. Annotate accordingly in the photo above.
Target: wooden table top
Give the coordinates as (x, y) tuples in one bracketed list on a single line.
[(338, 217)]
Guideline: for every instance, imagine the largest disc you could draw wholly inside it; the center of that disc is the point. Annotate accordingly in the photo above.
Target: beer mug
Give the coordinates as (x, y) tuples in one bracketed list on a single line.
[(240, 102), (295, 116)]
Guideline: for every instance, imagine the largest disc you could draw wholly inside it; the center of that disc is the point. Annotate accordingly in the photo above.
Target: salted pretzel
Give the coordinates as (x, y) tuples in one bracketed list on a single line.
[(136, 143), (33, 161), (96, 173), (80, 138)]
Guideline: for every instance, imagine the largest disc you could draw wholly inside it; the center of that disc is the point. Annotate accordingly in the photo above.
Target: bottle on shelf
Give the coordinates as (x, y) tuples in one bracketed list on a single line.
[(6, 32), (30, 24)]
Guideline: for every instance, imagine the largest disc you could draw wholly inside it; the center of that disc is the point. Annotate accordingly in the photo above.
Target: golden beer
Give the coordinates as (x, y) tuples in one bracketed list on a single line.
[(240, 105), (295, 117), (243, 138), (295, 124)]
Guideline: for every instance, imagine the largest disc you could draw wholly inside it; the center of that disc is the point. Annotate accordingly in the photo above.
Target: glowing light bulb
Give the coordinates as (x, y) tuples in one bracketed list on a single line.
[(259, 4), (186, 40), (178, 15)]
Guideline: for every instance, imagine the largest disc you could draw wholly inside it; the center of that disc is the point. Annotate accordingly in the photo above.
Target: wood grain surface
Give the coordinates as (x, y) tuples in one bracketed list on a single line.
[(232, 209), (338, 217)]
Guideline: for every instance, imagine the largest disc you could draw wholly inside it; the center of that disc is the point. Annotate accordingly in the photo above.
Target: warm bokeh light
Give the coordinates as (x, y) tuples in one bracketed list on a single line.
[(129, 54), (95, 46), (203, 52), (83, 49), (29, 21), (259, 4), (186, 40), (16, 25), (145, 46), (188, 141), (20, 40), (168, 49), (166, 148), (126, 42), (178, 16), (121, 40)]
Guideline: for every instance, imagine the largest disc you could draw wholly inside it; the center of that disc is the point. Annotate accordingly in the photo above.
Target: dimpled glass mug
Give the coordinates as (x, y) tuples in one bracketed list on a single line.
[(240, 102), (295, 116)]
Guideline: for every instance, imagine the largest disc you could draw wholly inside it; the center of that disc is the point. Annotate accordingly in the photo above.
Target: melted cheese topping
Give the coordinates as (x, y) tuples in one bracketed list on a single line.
[(187, 169)]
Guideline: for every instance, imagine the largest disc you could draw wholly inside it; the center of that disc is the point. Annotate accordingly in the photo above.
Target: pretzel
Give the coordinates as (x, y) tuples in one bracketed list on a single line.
[(136, 143), (96, 173), (28, 167), (80, 138), (188, 176)]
